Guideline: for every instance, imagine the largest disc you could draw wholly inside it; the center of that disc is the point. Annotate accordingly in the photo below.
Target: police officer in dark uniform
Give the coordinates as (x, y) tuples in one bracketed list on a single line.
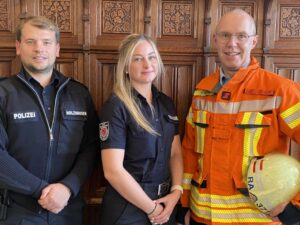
[(48, 134), (140, 144)]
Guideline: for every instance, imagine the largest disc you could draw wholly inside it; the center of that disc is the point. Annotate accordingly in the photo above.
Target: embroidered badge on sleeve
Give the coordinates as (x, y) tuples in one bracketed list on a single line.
[(104, 131)]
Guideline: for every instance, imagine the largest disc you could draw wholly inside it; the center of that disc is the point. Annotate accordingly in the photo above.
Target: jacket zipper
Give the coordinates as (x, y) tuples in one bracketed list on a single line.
[(50, 128)]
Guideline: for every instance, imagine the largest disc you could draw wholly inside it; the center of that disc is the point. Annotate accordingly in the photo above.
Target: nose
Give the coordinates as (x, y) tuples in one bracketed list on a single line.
[(38, 46), (147, 63), (232, 40)]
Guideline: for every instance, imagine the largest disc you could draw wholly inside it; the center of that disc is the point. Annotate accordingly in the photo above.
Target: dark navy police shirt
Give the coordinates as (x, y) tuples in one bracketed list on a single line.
[(146, 156)]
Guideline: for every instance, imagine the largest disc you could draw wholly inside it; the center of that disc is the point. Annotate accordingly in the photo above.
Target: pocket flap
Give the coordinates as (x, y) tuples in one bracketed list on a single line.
[(252, 120), (201, 118)]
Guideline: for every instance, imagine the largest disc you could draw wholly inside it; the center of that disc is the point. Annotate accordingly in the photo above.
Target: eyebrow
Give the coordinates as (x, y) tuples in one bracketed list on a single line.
[(151, 53)]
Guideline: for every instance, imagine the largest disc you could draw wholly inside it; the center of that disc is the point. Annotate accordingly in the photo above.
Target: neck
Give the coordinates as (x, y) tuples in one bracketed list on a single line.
[(145, 91), (43, 78)]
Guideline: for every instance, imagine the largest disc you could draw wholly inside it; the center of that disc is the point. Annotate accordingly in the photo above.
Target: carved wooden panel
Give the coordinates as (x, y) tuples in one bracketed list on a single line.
[(113, 20), (9, 11), (284, 30), (67, 14), (178, 25)]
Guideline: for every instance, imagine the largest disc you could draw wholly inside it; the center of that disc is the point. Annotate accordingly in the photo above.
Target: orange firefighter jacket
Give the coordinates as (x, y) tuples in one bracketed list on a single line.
[(256, 112)]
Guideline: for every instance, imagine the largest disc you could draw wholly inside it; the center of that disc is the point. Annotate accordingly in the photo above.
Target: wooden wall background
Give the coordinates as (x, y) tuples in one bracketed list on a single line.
[(91, 31)]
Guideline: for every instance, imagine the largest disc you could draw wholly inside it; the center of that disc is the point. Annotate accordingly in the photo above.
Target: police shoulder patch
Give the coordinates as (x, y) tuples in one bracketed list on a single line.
[(104, 131)]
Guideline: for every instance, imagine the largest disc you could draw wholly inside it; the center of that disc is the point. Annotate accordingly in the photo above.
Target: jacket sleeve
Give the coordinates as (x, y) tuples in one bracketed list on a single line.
[(13, 176), (88, 154), (189, 159), (289, 121)]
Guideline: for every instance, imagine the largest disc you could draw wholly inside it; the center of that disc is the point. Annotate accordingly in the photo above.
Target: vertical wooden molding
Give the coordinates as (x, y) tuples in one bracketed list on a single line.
[(86, 41), (266, 34), (207, 35), (147, 18)]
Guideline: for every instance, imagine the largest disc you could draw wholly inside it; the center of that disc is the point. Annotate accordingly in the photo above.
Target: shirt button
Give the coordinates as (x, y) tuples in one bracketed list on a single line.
[(156, 120)]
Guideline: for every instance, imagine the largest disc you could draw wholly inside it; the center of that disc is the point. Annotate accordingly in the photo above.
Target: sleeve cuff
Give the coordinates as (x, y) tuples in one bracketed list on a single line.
[(290, 215)]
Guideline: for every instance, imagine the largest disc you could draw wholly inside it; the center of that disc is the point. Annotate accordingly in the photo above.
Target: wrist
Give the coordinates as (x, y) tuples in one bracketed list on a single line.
[(153, 210), (178, 188)]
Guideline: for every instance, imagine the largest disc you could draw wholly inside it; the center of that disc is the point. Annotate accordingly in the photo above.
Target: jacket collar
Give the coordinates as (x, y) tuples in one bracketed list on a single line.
[(209, 83)]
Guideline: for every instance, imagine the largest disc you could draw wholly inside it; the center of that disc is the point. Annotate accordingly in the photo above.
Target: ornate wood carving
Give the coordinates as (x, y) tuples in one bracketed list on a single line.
[(228, 7), (3, 15), (177, 18), (289, 22), (117, 17), (59, 11)]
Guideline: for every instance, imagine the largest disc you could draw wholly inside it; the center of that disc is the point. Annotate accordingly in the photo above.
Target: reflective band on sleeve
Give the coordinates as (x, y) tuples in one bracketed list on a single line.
[(292, 116)]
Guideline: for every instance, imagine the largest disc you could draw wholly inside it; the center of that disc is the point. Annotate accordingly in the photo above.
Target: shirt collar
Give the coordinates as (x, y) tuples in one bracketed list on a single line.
[(223, 78), (56, 80), (155, 93)]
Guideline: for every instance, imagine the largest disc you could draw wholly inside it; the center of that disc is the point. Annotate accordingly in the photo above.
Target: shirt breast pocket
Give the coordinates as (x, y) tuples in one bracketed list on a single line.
[(71, 131), (140, 144)]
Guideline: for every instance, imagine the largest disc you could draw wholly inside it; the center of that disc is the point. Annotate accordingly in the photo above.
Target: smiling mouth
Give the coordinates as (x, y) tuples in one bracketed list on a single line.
[(231, 53)]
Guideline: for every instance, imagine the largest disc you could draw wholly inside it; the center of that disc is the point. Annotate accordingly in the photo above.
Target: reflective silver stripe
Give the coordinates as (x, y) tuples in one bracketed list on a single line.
[(238, 215), (234, 208), (293, 117), (235, 107), (220, 200)]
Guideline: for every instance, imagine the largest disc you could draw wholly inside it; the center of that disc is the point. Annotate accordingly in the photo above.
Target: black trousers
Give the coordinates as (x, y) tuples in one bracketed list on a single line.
[(19, 215), (192, 222), (118, 211)]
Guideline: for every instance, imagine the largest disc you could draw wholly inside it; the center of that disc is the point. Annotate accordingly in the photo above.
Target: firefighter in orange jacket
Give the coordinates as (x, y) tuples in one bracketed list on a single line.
[(239, 112)]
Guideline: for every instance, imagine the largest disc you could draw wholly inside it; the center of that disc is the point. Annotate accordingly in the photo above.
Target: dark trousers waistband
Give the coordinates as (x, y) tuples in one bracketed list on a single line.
[(160, 190)]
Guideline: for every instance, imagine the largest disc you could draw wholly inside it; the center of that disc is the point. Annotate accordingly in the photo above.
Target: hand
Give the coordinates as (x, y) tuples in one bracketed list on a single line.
[(158, 209), (55, 197), (169, 202), (276, 211)]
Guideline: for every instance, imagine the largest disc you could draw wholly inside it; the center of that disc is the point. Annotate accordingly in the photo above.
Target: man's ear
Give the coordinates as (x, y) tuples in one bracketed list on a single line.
[(57, 49), (17, 44), (254, 41)]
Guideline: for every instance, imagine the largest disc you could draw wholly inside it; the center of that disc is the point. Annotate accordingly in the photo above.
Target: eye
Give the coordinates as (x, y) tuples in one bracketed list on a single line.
[(137, 59), (47, 42), (29, 42), (152, 57), (225, 35), (242, 36)]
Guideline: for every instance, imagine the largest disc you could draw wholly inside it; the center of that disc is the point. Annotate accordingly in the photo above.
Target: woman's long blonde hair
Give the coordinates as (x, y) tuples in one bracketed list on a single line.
[(123, 87)]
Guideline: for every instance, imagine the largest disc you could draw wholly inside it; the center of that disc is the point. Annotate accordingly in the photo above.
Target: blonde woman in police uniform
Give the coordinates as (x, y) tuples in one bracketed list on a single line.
[(140, 143)]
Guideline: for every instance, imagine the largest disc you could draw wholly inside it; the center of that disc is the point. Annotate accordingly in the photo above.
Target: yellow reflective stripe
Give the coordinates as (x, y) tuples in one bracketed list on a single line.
[(235, 107), (202, 93), (200, 168), (292, 116), (218, 201), (200, 131), (186, 181), (189, 117), (235, 208), (251, 138)]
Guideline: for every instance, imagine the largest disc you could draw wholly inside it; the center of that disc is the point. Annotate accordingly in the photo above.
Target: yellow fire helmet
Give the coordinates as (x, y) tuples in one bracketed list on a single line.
[(272, 180)]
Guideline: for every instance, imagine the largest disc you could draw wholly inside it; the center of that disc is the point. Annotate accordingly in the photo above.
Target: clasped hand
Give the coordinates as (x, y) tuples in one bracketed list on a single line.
[(55, 197)]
